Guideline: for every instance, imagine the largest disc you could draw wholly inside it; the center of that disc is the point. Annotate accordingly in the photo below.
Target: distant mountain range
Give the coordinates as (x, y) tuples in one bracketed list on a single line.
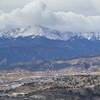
[(20, 45), (46, 32)]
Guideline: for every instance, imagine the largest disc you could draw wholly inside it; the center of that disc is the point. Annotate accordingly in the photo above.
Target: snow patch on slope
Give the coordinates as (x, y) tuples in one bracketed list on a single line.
[(48, 33)]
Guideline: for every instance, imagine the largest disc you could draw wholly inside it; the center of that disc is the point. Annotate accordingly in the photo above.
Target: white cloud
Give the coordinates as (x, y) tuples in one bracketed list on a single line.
[(64, 15), (9, 5), (86, 7)]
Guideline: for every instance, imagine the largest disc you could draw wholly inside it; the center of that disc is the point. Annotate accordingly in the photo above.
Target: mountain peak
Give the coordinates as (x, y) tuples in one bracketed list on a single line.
[(48, 33)]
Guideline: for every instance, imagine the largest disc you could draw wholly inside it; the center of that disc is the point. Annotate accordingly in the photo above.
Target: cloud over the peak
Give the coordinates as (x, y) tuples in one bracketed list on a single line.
[(64, 15)]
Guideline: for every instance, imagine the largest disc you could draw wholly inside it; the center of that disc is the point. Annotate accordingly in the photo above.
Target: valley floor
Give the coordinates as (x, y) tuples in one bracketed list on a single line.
[(69, 87)]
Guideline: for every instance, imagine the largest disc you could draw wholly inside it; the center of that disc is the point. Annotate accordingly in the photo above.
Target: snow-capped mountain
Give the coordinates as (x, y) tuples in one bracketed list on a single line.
[(20, 45), (47, 32)]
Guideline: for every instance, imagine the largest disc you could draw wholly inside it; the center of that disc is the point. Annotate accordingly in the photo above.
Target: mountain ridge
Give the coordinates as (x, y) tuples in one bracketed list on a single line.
[(24, 49), (21, 45), (46, 32)]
